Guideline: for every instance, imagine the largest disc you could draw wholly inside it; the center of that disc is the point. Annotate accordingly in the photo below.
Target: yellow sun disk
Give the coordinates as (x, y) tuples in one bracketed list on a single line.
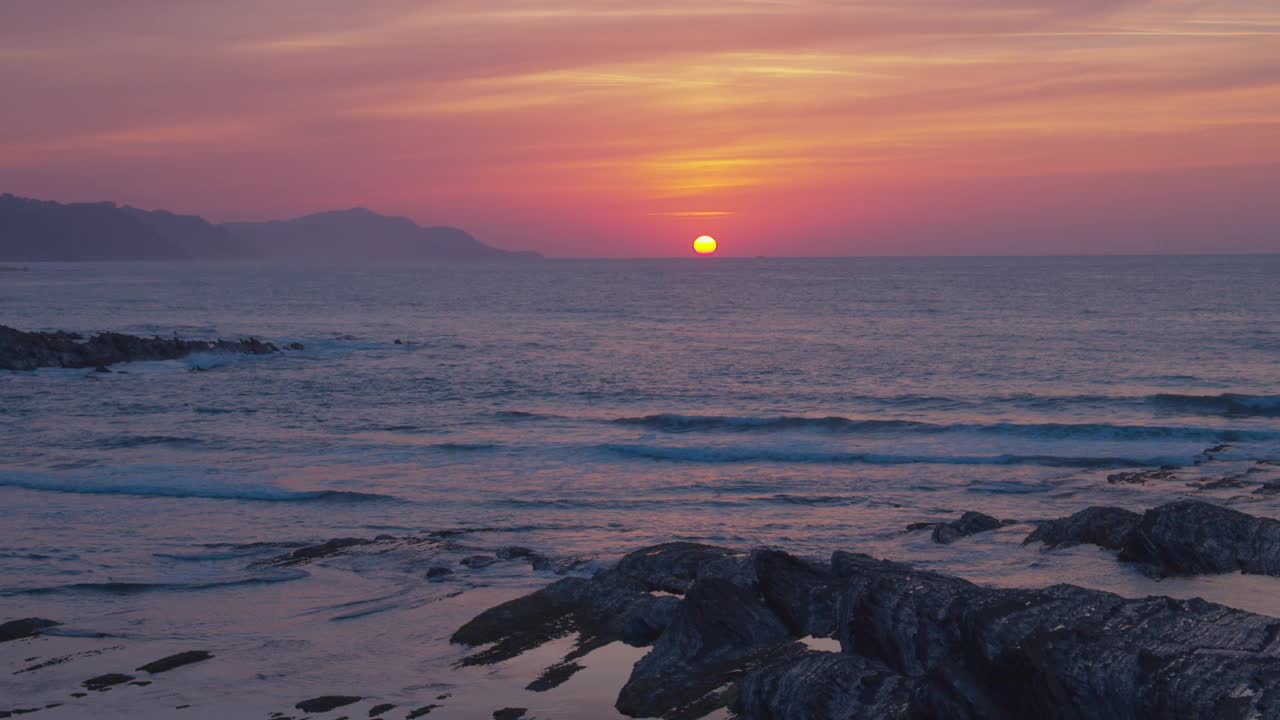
[(704, 245)]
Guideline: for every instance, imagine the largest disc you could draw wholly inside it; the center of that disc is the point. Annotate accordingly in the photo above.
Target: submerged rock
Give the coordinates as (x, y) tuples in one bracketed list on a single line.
[(31, 350), (314, 552), (913, 644), (969, 523), (326, 703), (1142, 477), (1103, 526), (26, 627), (175, 661), (103, 682)]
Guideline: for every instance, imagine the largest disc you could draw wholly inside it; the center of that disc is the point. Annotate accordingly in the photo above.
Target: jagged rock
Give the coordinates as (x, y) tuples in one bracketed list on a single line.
[(555, 676), (377, 710), (175, 661), (510, 714), (823, 686), (914, 644), (672, 567), (1103, 526), (618, 604), (969, 523), (326, 703), (26, 627), (438, 572), (30, 350), (1190, 537), (1060, 652), (799, 592), (718, 630), (525, 622), (645, 619)]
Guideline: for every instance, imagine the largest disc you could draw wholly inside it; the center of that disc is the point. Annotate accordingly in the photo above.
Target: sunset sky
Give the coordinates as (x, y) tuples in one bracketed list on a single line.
[(590, 127)]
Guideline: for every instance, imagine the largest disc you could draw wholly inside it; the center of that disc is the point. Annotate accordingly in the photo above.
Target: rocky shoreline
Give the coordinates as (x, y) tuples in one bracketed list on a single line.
[(21, 350), (733, 630), (766, 635)]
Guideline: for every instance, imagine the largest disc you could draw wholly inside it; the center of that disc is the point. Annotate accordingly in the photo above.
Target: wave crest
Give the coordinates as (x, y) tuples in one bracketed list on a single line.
[(210, 491), (674, 423), (780, 455), (1229, 404)]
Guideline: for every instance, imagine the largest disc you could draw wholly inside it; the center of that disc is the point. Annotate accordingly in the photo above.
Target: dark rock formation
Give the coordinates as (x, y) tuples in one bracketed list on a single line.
[(175, 661), (823, 685), (326, 703), (377, 710), (969, 523), (26, 627), (1104, 526), (510, 714), (1191, 537), (103, 682), (478, 561), (1188, 537), (913, 644), (555, 676), (30, 350), (717, 631), (438, 572)]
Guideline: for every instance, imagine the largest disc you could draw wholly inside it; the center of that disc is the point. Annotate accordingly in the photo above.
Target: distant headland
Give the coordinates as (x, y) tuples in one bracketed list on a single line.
[(41, 230)]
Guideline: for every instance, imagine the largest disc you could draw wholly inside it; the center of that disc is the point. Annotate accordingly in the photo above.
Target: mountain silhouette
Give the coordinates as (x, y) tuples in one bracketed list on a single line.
[(41, 230)]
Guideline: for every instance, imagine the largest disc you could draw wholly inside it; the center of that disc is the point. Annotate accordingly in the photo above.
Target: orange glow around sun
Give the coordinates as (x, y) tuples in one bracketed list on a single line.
[(704, 245)]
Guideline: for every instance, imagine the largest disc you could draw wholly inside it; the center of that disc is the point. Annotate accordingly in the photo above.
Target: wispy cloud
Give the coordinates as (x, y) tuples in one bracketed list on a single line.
[(663, 111)]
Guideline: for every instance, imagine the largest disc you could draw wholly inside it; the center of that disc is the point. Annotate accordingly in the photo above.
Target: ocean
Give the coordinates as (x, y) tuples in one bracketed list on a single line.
[(581, 409)]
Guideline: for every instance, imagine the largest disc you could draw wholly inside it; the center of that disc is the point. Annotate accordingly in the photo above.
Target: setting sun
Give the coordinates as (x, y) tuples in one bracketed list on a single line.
[(704, 245)]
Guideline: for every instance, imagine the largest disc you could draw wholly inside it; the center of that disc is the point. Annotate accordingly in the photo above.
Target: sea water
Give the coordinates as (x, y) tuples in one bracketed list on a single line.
[(583, 408)]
